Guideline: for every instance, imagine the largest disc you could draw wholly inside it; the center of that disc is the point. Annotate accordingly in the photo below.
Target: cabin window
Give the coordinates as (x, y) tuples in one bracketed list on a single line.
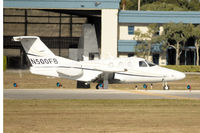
[(142, 64)]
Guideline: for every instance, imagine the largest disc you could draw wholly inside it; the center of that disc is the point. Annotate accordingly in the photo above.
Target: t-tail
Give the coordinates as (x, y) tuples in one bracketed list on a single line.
[(45, 62), (38, 53), (34, 46)]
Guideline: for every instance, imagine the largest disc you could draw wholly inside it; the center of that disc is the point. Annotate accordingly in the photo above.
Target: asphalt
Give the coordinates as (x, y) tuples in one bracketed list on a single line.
[(99, 94)]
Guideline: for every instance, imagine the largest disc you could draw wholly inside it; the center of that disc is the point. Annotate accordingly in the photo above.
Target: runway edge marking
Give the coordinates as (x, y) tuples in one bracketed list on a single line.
[(161, 95)]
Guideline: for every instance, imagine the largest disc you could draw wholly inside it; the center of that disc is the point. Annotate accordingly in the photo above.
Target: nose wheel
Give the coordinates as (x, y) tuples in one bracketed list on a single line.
[(165, 86)]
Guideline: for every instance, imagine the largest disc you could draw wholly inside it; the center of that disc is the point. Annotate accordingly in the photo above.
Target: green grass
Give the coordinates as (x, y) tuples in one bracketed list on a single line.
[(101, 116)]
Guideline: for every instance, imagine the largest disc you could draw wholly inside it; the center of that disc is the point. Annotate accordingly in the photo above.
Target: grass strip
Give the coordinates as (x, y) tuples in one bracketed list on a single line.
[(89, 116)]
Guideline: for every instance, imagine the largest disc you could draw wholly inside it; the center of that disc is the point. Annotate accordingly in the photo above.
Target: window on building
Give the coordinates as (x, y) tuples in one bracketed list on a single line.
[(130, 30)]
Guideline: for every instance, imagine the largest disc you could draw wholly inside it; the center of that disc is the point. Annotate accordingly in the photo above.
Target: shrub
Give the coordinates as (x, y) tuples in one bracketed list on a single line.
[(184, 68), (4, 63)]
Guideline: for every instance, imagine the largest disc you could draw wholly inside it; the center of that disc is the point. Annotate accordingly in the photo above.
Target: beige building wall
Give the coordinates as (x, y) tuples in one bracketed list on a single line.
[(109, 32), (123, 31)]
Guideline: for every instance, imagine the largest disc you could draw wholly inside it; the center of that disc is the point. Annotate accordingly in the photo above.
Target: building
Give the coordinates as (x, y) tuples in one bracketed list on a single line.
[(130, 21), (60, 26)]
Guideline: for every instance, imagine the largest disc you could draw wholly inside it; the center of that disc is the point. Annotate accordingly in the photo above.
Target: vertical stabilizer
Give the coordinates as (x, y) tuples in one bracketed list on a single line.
[(34, 46), (44, 62)]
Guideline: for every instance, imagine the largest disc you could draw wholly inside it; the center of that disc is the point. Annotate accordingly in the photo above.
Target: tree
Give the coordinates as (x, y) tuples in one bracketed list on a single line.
[(146, 40), (157, 6), (197, 41), (175, 36), (133, 4), (195, 33), (164, 5), (123, 4), (194, 5)]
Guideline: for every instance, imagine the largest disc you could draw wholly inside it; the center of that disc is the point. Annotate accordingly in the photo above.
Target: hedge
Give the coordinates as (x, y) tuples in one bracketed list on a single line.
[(184, 68), (4, 63)]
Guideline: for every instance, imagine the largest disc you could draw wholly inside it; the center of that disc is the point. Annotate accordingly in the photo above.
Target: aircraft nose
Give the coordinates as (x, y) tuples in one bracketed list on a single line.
[(179, 75)]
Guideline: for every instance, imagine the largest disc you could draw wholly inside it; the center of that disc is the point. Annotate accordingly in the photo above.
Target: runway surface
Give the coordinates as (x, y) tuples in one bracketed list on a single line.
[(99, 94)]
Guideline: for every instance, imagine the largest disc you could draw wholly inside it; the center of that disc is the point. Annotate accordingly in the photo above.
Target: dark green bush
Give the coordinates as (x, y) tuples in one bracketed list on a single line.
[(4, 63), (184, 68)]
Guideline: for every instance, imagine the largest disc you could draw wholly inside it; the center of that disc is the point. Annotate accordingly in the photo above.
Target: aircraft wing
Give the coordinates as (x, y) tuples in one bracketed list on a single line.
[(92, 70), (89, 75), (110, 69), (92, 74)]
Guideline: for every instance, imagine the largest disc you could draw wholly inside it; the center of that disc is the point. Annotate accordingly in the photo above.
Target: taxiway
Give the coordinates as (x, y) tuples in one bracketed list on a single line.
[(99, 94)]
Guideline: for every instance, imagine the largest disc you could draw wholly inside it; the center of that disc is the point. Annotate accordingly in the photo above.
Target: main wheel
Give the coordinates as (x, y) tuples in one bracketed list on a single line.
[(97, 86), (81, 84)]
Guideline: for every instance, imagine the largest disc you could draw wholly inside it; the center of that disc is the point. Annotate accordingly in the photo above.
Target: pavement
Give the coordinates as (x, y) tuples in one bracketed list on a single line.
[(99, 94)]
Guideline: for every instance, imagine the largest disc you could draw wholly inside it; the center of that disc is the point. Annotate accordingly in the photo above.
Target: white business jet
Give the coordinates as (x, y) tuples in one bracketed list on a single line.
[(119, 70)]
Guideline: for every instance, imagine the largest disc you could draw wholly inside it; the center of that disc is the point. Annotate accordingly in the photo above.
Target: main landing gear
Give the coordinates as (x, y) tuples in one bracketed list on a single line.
[(99, 86), (103, 85), (81, 84)]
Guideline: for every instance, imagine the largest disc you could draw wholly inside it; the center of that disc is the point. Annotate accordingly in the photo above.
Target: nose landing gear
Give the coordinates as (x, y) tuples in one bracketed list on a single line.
[(165, 86)]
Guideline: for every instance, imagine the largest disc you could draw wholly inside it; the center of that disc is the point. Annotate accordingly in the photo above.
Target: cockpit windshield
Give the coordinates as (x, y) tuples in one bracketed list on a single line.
[(145, 64), (150, 64), (142, 64)]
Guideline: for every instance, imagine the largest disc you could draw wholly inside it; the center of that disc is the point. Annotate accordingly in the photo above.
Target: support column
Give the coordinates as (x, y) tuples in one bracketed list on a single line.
[(105, 80), (109, 29), (185, 57), (60, 32), (194, 56), (22, 58), (26, 23)]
